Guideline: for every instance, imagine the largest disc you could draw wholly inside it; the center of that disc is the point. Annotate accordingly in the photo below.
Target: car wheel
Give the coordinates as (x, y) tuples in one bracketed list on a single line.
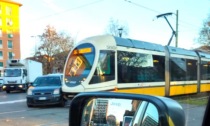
[(24, 91), (8, 91), (29, 106)]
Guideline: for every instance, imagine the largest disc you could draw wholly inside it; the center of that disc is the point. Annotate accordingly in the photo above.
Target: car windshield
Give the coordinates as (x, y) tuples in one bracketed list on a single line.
[(149, 47), (47, 81)]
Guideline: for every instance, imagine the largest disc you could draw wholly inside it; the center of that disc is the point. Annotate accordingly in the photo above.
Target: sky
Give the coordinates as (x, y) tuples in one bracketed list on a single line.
[(84, 18)]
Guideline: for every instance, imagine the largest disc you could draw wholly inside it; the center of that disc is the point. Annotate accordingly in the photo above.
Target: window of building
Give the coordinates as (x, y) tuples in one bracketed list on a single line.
[(1, 65), (1, 55), (1, 45), (9, 21), (0, 9), (10, 55), (9, 10), (0, 21), (0, 32), (9, 33), (151, 117), (10, 45)]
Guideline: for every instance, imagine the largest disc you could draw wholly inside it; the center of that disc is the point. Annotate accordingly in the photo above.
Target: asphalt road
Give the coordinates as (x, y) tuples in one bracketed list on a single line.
[(14, 112), (194, 114)]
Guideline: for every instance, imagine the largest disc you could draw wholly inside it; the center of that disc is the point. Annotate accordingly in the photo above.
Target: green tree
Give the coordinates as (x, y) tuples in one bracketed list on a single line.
[(116, 28), (53, 49)]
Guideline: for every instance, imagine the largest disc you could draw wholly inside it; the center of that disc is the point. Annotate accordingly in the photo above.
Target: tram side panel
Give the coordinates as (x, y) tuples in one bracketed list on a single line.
[(204, 69), (141, 72), (183, 71)]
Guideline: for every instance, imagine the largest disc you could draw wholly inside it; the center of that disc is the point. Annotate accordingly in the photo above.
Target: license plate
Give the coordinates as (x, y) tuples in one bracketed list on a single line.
[(42, 98), (11, 86)]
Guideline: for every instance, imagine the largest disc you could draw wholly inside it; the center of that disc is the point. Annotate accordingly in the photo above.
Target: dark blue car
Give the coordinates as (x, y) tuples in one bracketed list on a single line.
[(46, 90)]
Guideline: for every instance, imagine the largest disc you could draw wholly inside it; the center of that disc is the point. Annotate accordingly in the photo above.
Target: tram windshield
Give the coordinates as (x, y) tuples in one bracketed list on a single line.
[(79, 64)]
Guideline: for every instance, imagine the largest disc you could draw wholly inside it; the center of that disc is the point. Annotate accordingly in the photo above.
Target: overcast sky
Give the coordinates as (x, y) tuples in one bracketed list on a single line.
[(84, 18)]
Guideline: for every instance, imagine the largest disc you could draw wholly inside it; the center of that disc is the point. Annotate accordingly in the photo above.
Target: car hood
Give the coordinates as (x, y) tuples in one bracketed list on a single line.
[(45, 88)]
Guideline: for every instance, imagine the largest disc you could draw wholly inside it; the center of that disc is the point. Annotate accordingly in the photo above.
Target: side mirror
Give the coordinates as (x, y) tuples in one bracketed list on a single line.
[(118, 109)]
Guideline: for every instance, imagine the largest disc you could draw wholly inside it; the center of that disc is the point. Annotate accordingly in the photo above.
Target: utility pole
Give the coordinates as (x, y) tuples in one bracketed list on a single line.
[(177, 16)]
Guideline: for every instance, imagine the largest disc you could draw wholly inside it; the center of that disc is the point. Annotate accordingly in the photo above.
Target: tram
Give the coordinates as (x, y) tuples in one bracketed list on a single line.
[(109, 63)]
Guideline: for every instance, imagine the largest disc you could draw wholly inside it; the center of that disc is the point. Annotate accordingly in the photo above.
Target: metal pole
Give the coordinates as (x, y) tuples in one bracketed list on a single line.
[(177, 16)]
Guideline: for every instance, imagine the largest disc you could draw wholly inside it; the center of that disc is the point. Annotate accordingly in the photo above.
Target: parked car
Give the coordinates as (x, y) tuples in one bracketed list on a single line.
[(46, 90)]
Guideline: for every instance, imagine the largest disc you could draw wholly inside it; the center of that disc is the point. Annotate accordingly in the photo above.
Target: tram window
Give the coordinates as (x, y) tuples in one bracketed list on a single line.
[(183, 69), (79, 64), (191, 69), (205, 70), (137, 67), (178, 69), (105, 70)]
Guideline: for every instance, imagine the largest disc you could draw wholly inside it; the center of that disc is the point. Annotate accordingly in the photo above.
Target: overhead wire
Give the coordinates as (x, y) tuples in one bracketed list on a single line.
[(67, 10), (184, 23)]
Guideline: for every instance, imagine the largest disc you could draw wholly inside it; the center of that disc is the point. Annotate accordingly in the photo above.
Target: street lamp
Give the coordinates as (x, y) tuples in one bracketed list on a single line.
[(120, 31), (35, 44)]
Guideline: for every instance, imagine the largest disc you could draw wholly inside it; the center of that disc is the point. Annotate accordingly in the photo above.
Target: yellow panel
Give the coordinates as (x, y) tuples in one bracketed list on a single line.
[(159, 91), (205, 87), (183, 89)]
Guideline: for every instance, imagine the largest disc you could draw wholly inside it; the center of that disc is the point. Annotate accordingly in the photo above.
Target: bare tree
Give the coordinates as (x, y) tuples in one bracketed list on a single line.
[(116, 28), (53, 49), (204, 35)]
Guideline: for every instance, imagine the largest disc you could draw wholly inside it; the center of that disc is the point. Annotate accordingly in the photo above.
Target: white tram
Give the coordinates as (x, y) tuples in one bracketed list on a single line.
[(108, 63)]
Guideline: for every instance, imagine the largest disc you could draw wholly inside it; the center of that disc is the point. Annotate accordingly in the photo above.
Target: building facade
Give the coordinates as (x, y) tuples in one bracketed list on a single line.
[(9, 31)]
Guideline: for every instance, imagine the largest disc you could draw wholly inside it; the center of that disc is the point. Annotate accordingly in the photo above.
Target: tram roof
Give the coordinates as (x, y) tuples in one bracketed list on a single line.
[(181, 51), (204, 55), (152, 46), (139, 44)]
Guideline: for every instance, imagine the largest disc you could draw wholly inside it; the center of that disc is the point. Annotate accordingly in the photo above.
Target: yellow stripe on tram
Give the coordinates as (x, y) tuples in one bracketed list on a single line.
[(205, 87), (182, 89), (159, 91)]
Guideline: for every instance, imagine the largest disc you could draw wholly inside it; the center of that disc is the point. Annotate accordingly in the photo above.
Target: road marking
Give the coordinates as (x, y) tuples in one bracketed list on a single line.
[(12, 112), (11, 102)]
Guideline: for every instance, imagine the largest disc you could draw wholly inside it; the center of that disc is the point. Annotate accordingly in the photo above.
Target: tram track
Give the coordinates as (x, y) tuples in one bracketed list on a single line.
[(192, 96), (193, 101)]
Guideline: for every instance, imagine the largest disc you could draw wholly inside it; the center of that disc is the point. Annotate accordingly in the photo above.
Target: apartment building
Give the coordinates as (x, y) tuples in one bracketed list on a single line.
[(9, 31)]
